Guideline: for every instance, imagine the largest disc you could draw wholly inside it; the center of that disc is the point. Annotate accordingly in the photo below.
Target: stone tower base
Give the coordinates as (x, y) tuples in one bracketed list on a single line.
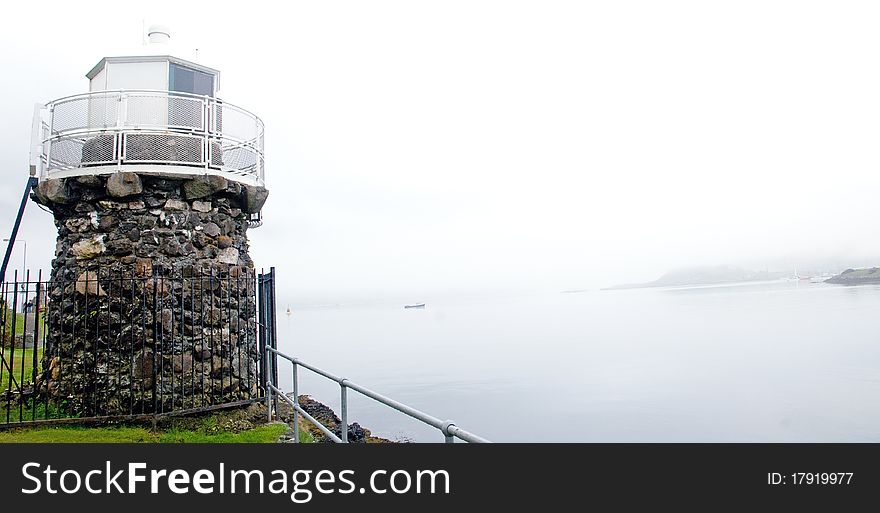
[(152, 299)]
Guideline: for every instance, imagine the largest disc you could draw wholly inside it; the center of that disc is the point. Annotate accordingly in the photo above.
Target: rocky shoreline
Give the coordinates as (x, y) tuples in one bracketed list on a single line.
[(326, 416), (241, 419)]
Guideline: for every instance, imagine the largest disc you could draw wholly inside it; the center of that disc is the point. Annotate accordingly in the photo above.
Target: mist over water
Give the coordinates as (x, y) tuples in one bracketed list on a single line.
[(781, 361), (491, 145)]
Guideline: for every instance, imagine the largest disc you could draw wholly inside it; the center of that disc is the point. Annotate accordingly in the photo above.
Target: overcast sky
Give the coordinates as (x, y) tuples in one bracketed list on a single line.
[(415, 148)]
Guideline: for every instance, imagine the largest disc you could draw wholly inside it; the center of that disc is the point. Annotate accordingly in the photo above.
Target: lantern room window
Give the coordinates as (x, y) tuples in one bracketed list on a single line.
[(187, 80)]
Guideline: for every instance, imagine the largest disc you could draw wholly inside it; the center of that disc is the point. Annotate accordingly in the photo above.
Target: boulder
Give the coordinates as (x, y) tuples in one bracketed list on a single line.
[(203, 186), (54, 191), (254, 198), (124, 184)]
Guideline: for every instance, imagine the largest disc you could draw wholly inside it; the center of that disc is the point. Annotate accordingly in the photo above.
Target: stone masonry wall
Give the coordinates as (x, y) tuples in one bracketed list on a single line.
[(151, 303)]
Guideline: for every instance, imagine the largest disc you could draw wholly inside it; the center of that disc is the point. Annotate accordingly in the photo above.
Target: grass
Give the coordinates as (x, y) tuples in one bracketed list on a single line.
[(78, 434), (19, 324), (134, 434), (23, 360), (30, 411), (261, 434), (304, 436), (21, 357), (217, 428)]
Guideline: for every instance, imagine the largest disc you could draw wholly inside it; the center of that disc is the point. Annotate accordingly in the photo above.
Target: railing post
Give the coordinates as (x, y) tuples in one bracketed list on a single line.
[(48, 145), (121, 110), (207, 151), (295, 401), (445, 430), (344, 397), (118, 136)]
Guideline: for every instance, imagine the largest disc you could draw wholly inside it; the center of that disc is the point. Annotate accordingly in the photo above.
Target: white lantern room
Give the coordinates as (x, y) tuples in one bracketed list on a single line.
[(149, 112)]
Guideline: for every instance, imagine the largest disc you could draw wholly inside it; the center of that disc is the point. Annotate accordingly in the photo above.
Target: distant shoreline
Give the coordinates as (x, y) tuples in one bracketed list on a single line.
[(700, 285), (857, 277), (696, 276)]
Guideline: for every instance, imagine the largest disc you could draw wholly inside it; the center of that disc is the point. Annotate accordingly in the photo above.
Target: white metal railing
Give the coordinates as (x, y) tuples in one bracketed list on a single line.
[(84, 133), (446, 427)]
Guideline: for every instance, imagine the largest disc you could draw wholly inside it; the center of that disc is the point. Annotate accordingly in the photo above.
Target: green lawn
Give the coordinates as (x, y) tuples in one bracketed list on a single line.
[(19, 324), (30, 410), (21, 357), (129, 434), (215, 428)]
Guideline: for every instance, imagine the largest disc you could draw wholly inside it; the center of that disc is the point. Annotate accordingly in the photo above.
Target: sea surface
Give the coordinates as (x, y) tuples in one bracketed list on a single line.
[(762, 362)]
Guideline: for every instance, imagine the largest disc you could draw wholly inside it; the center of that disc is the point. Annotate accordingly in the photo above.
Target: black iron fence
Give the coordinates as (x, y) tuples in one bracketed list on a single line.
[(99, 342)]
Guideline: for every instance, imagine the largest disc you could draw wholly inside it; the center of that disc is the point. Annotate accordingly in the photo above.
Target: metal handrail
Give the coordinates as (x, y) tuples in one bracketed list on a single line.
[(330, 434), (447, 427), (113, 115)]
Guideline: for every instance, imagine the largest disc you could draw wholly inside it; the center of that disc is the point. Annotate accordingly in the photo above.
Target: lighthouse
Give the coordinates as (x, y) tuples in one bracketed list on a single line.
[(154, 182)]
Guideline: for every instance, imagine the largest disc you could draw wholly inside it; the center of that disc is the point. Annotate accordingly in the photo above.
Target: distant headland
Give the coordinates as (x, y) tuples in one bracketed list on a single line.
[(856, 277), (711, 275)]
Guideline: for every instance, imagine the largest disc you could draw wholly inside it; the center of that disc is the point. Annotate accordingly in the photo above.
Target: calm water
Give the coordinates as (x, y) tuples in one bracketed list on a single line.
[(760, 362)]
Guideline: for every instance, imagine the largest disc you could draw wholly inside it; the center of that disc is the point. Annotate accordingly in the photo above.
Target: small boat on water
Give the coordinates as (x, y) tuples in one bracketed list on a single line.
[(417, 305)]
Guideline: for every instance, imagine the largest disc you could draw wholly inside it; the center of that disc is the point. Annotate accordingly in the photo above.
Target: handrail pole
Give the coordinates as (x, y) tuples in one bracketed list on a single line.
[(306, 416), (387, 401), (296, 399), (344, 398)]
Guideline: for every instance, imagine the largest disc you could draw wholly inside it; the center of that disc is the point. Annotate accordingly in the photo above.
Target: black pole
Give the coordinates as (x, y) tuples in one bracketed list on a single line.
[(31, 183)]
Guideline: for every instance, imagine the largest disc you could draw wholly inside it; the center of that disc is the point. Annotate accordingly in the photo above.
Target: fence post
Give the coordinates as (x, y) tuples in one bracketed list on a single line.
[(261, 329), (36, 314), (271, 332), (268, 386), (155, 331)]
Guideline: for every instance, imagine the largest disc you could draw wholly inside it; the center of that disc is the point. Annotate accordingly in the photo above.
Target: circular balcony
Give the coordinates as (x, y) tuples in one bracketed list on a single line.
[(161, 132)]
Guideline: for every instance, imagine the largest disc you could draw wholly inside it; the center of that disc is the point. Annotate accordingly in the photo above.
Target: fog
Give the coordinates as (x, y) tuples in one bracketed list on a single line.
[(454, 147)]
